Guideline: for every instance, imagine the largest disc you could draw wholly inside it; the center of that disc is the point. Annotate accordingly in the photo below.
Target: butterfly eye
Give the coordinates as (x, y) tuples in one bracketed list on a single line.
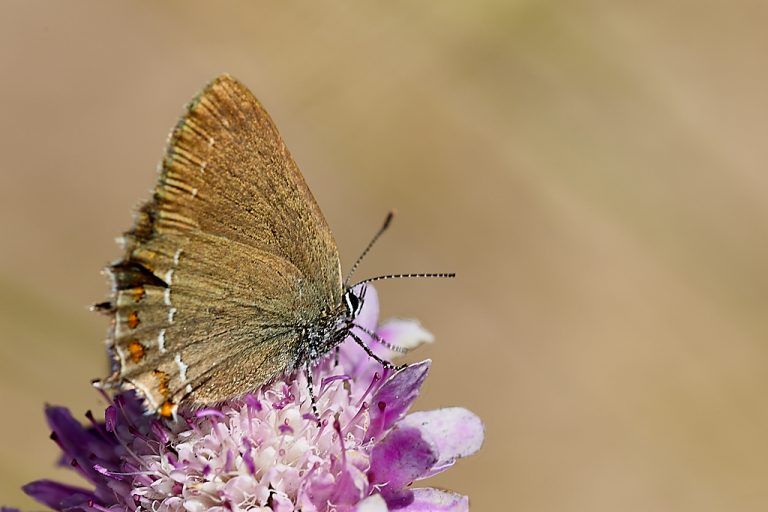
[(353, 304)]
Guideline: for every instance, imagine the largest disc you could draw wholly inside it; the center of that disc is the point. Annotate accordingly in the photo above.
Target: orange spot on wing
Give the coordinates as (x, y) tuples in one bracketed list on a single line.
[(138, 293), (133, 319), (166, 410), (136, 350)]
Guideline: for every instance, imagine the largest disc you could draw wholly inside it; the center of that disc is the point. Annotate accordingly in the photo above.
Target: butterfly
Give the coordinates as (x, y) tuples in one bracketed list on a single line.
[(231, 276)]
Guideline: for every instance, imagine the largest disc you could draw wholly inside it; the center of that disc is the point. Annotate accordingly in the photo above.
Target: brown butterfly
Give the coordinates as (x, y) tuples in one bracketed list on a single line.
[(231, 276)]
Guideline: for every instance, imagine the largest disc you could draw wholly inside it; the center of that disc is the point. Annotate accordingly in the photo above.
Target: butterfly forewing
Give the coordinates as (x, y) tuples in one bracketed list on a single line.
[(229, 256)]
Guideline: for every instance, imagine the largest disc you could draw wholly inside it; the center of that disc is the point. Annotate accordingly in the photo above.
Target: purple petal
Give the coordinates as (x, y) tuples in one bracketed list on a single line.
[(455, 431), (58, 496), (434, 500), (80, 445), (110, 418), (395, 396), (202, 413), (400, 458), (159, 431)]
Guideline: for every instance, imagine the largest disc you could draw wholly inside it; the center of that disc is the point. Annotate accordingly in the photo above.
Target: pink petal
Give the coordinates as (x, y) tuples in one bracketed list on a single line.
[(350, 485), (281, 503), (406, 334), (395, 396), (434, 500), (455, 431), (400, 458), (318, 493), (369, 315)]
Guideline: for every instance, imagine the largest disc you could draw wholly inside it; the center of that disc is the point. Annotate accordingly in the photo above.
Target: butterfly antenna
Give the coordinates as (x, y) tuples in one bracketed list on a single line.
[(401, 276), (380, 232)]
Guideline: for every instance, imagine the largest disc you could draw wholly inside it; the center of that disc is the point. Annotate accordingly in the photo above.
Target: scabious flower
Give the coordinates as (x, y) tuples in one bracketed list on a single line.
[(266, 451)]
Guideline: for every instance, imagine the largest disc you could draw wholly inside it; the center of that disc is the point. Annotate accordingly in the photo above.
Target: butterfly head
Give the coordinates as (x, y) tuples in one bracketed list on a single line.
[(353, 301)]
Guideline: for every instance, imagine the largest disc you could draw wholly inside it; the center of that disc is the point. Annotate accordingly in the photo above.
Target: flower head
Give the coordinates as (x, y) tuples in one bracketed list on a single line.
[(267, 451)]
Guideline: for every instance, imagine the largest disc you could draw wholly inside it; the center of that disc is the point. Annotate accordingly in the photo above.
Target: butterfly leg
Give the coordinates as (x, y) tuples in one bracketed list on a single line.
[(379, 339), (383, 362), (336, 356), (311, 388)]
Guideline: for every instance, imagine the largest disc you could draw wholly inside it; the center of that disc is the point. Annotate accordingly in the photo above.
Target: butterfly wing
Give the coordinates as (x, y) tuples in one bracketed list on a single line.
[(226, 259)]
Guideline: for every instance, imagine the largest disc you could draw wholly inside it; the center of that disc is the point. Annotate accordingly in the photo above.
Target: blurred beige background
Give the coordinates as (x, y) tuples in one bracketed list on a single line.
[(594, 171)]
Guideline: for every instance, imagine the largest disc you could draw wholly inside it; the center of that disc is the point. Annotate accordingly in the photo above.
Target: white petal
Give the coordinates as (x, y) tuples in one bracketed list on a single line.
[(373, 503), (455, 431), (434, 500)]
